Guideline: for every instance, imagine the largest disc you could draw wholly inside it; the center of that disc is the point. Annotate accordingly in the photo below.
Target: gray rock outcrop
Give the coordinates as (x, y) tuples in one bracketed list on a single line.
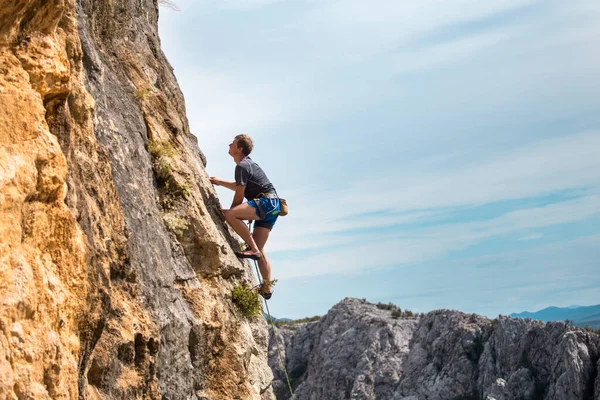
[(358, 351)]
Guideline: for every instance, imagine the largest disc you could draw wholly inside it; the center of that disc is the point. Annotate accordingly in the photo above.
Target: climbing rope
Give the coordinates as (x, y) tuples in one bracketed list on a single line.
[(281, 360)]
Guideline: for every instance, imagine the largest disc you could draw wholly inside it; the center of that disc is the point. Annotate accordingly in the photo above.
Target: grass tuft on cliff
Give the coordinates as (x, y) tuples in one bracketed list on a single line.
[(160, 149), (162, 153), (246, 300)]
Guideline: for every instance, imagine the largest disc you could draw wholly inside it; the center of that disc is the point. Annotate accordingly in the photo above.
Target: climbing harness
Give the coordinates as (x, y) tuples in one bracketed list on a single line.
[(281, 360)]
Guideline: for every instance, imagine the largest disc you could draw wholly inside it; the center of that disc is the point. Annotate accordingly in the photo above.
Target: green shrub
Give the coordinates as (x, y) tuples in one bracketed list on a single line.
[(307, 319), (383, 306), (298, 321), (178, 190), (592, 330), (397, 311), (142, 93), (246, 300), (160, 148), (162, 153), (162, 167), (173, 192)]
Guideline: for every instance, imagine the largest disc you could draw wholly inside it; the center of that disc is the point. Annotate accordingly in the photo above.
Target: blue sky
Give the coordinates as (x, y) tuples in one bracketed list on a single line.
[(435, 154)]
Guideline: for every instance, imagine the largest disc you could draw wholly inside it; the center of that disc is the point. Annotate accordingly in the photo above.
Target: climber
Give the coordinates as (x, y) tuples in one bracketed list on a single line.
[(263, 206)]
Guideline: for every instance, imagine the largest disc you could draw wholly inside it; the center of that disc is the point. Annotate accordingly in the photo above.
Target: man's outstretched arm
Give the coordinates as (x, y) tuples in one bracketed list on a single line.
[(220, 182)]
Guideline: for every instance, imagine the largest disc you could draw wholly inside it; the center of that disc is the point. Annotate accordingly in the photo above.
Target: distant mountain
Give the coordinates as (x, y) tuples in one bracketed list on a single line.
[(361, 351), (277, 319), (580, 315)]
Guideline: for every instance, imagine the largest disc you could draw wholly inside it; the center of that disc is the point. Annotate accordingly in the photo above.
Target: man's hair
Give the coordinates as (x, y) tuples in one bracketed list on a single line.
[(245, 142)]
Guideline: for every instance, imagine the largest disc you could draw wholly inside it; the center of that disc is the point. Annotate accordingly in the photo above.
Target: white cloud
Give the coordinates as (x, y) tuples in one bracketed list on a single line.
[(220, 106), (532, 170), (533, 236), (354, 30), (535, 170), (444, 53), (214, 6), (418, 15), (335, 57), (427, 244), (324, 38), (236, 5)]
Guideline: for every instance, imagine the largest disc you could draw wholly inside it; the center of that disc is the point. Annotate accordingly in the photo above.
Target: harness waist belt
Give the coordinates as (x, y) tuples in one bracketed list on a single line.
[(269, 195)]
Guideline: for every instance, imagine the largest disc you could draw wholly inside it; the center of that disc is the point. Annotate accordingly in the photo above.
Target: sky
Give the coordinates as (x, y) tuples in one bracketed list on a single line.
[(434, 154)]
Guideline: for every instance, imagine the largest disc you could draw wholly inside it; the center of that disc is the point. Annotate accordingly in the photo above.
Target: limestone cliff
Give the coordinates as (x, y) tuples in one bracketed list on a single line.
[(116, 267), (358, 351)]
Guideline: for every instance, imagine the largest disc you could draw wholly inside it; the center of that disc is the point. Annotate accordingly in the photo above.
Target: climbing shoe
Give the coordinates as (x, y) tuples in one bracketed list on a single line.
[(261, 290), (254, 255)]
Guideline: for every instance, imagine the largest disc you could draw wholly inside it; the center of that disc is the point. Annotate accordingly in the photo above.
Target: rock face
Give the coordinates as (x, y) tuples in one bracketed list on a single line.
[(116, 266), (357, 351)]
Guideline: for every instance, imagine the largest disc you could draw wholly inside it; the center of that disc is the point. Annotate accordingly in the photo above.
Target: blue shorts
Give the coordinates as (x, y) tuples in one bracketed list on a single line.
[(267, 210)]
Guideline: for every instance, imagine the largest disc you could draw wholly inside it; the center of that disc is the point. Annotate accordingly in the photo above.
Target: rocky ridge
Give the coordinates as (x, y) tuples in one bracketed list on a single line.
[(116, 267), (357, 351)]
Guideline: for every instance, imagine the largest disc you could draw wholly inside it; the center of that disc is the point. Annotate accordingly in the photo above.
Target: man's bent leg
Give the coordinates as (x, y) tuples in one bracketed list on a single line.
[(235, 217), (261, 235)]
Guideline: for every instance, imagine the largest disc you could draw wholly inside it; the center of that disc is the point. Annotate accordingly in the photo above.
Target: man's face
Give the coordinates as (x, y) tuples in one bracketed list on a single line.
[(234, 150)]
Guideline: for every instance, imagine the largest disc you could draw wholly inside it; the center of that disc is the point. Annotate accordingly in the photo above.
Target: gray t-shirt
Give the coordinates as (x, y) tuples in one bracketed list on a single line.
[(249, 174)]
